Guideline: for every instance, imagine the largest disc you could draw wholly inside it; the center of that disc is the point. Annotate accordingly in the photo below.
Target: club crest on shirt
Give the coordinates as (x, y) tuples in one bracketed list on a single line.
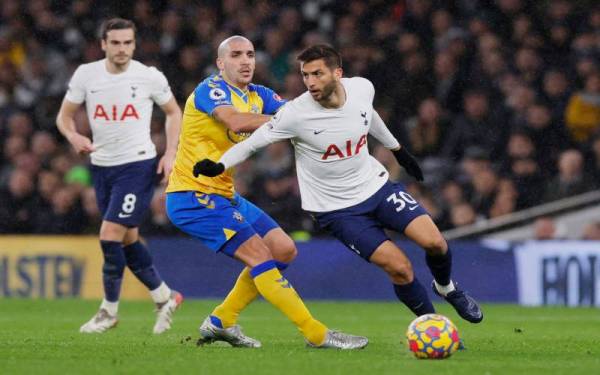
[(237, 137), (363, 114)]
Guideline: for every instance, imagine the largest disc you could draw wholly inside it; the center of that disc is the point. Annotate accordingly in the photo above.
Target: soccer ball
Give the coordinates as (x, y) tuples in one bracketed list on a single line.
[(432, 336)]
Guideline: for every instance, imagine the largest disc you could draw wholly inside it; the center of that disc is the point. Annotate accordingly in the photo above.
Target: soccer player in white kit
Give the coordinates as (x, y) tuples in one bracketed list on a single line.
[(119, 93), (347, 190)]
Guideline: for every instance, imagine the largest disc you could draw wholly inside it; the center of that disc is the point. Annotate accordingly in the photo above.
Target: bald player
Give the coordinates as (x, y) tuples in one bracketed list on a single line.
[(348, 191), (224, 110)]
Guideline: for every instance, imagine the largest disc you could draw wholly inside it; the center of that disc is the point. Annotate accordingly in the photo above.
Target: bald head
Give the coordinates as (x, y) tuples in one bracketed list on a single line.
[(225, 45), (237, 60)]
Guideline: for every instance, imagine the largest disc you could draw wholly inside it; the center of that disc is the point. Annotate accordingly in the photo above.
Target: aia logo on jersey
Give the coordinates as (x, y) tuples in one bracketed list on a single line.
[(115, 113), (347, 150)]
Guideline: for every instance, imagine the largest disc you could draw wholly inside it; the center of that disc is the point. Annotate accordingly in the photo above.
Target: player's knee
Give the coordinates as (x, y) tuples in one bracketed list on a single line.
[(112, 232), (253, 252), (286, 251), (400, 271), (435, 245)]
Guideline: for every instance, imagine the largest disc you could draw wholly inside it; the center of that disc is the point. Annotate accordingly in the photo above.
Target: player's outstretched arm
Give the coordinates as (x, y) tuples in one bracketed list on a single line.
[(238, 121), (235, 155), (404, 158), (66, 125), (172, 130)]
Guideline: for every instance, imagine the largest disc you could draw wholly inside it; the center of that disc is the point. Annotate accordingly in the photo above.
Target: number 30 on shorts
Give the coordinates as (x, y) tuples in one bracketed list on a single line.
[(400, 199)]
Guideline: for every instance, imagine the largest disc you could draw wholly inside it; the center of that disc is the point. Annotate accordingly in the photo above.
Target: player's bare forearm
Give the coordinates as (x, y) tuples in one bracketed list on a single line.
[(65, 119), (239, 121), (248, 122), (66, 125), (172, 130), (172, 125)]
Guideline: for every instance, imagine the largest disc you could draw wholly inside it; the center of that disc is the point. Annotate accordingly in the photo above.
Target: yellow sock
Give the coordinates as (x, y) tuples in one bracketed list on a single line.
[(280, 293), (244, 291)]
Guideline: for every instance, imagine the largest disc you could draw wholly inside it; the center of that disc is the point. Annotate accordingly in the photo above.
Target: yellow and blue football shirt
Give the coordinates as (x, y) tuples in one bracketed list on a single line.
[(202, 136)]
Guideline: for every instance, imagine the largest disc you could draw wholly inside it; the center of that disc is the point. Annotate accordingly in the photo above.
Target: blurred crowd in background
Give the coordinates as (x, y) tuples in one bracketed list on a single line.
[(499, 100)]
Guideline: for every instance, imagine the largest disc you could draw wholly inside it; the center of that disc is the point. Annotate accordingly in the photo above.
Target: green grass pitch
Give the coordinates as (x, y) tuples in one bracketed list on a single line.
[(41, 337)]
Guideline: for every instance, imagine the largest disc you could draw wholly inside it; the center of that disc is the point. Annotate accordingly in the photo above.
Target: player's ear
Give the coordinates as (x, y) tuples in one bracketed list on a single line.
[(103, 44), (338, 72), (220, 64)]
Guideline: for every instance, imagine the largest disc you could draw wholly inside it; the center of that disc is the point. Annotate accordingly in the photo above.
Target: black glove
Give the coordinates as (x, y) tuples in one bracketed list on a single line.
[(208, 168), (409, 163)]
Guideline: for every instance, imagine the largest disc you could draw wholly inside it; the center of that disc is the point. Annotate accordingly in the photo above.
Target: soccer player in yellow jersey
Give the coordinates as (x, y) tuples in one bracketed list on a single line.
[(221, 112)]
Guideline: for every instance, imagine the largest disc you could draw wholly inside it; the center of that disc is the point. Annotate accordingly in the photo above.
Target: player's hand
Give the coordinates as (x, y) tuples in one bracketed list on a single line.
[(208, 168), (81, 143), (406, 160), (165, 166)]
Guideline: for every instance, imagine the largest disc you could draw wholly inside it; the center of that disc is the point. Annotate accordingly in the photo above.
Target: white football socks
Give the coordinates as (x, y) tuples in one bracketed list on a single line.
[(111, 307), (444, 289), (161, 294)]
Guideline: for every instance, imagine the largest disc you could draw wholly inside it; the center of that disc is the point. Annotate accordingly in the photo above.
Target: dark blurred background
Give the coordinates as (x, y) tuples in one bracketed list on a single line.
[(499, 100)]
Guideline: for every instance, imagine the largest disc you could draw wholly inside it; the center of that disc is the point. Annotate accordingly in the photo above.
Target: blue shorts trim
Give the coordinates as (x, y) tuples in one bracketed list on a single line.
[(236, 241), (361, 227), (221, 224), (124, 192), (260, 220)]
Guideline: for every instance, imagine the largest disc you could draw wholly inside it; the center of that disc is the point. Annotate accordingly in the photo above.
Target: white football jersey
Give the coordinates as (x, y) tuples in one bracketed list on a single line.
[(119, 109), (335, 169)]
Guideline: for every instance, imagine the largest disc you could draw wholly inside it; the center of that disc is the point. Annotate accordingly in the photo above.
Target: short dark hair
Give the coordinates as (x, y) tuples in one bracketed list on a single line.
[(116, 24), (332, 58)]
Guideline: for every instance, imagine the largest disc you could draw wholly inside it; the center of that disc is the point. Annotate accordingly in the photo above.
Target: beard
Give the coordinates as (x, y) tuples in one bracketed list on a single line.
[(327, 90)]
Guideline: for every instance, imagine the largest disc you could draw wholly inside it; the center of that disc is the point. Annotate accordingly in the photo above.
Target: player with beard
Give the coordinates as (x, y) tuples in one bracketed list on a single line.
[(222, 111), (347, 190)]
